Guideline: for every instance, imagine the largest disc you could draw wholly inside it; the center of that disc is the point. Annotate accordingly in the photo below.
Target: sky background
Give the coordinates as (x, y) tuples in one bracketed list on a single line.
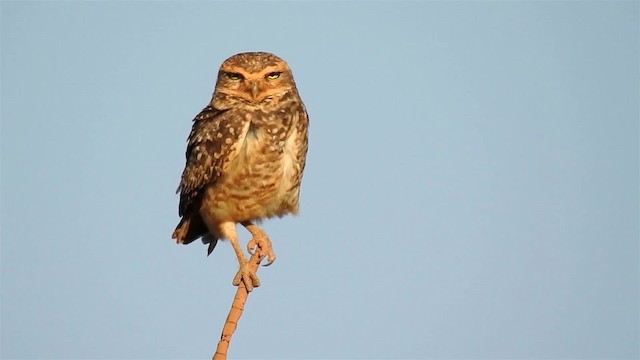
[(471, 188)]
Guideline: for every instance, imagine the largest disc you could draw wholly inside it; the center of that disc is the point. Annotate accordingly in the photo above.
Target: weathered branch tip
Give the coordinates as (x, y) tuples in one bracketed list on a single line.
[(237, 307)]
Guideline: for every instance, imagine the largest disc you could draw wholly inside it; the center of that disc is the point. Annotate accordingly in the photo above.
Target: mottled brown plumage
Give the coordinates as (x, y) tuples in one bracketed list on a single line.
[(245, 156)]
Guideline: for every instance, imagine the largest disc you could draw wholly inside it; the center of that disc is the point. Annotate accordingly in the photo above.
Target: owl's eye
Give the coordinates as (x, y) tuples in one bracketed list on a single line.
[(234, 76), (273, 75)]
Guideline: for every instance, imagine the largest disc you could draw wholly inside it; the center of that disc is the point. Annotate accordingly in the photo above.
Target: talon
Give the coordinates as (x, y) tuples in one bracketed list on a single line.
[(251, 246), (271, 257), (247, 277), (263, 244)]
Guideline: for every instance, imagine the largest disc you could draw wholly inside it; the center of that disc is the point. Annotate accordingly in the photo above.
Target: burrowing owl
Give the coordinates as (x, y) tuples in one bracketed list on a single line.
[(245, 157)]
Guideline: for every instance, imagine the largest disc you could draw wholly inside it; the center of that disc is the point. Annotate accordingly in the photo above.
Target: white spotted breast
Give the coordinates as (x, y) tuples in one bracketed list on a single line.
[(263, 180)]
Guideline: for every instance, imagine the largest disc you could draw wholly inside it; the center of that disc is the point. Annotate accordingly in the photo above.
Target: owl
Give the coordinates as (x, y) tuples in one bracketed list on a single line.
[(245, 156)]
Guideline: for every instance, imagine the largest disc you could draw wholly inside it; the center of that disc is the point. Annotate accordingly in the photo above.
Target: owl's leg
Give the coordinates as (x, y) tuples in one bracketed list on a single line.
[(261, 240), (245, 274)]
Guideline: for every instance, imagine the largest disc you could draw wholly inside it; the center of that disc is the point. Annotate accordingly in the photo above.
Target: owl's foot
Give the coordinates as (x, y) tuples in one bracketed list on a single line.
[(247, 276), (261, 242)]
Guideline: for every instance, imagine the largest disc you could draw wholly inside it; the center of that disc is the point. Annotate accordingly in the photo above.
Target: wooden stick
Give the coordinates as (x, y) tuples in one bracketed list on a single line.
[(237, 307)]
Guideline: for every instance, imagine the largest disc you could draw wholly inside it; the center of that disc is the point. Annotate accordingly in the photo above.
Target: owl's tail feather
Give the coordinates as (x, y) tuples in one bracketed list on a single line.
[(211, 240), (191, 228)]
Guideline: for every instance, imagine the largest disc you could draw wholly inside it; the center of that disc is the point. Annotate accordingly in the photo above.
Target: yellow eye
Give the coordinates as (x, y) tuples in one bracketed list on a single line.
[(234, 76), (273, 75)]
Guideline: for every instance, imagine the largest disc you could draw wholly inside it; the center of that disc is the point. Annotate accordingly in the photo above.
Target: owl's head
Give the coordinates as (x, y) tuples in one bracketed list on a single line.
[(253, 77)]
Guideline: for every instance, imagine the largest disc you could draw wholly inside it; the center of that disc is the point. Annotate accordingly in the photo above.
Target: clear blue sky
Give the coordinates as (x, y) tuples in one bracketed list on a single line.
[(471, 188)]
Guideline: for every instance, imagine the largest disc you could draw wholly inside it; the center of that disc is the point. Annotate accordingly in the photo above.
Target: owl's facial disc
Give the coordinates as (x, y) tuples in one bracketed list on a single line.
[(257, 86)]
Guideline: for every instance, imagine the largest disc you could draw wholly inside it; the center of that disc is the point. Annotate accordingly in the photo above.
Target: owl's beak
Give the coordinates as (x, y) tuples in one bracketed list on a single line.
[(254, 90)]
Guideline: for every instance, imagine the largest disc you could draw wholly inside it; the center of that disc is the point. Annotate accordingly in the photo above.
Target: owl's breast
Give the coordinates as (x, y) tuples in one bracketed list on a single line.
[(263, 179)]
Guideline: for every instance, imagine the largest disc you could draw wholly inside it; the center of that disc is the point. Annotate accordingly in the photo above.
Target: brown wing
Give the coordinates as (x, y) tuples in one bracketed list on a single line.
[(212, 144)]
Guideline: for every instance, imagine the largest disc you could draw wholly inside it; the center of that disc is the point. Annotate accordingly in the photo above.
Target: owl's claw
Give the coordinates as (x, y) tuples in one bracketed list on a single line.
[(251, 247), (271, 257), (263, 244), (247, 276)]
